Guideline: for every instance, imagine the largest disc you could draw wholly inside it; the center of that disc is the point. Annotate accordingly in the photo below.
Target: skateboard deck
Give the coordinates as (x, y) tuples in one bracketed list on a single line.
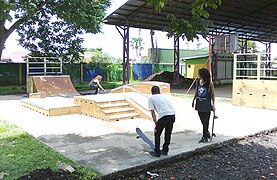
[(213, 134), (141, 135)]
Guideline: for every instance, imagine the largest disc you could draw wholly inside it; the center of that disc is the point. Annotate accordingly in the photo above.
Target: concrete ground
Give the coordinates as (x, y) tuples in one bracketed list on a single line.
[(112, 146)]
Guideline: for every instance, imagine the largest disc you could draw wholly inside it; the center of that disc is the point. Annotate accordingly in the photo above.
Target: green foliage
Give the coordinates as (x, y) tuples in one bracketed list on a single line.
[(113, 71), (4, 90), (188, 28), (5, 8), (157, 4), (252, 47), (52, 28), (21, 154), (137, 44), (109, 65)]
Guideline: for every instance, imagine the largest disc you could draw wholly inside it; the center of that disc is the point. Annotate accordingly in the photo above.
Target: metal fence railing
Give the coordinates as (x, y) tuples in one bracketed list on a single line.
[(44, 66), (255, 66)]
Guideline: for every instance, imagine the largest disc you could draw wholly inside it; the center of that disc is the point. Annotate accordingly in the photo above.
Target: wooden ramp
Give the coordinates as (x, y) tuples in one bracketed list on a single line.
[(52, 85), (109, 107), (52, 106), (125, 102), (143, 87)]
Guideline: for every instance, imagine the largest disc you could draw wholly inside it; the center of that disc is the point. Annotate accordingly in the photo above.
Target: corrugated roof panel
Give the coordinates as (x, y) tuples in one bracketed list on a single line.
[(255, 19)]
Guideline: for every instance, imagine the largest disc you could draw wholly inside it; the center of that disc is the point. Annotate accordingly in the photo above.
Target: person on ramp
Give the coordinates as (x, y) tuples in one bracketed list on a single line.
[(94, 84), (166, 117), (205, 99)]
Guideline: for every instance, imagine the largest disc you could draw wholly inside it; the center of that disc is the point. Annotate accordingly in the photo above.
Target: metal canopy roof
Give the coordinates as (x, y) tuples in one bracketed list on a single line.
[(250, 19)]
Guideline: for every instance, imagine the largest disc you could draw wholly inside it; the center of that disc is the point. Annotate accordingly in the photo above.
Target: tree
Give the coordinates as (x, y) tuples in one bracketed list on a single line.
[(111, 66), (252, 47), (188, 28), (51, 27), (137, 44)]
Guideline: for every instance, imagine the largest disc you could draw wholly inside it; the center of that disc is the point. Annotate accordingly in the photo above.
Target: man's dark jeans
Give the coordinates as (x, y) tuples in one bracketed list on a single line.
[(166, 123)]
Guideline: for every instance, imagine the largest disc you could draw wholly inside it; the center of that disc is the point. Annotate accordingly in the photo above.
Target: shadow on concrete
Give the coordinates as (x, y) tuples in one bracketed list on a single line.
[(119, 151)]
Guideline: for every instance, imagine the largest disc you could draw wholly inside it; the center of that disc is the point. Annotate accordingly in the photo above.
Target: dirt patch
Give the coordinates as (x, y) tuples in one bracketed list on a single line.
[(253, 157), (49, 174), (168, 77)]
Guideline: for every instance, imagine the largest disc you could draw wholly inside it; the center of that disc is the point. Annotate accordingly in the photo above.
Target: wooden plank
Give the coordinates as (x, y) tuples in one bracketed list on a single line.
[(64, 111), (53, 111), (34, 108), (119, 110), (122, 116), (115, 105), (37, 95), (255, 93)]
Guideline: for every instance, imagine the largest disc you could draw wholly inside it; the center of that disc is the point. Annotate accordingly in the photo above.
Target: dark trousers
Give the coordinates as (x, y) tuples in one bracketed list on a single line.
[(96, 88), (205, 118), (166, 123)]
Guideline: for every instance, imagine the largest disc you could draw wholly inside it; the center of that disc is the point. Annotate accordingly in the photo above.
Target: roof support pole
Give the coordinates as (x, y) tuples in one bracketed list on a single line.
[(210, 55), (176, 59), (153, 57), (126, 57), (268, 57)]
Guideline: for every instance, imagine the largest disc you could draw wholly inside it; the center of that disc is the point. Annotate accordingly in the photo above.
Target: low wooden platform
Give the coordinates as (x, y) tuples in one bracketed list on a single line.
[(143, 87), (52, 106)]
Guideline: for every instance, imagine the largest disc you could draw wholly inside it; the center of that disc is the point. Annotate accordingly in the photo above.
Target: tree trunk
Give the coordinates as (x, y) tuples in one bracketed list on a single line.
[(2, 43), (5, 33), (3, 37)]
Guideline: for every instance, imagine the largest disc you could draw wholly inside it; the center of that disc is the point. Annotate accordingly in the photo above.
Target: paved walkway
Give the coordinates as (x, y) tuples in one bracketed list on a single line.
[(112, 146)]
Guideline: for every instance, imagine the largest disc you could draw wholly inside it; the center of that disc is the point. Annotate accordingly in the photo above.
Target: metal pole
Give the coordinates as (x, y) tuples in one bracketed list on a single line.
[(126, 58), (44, 66), (176, 59)]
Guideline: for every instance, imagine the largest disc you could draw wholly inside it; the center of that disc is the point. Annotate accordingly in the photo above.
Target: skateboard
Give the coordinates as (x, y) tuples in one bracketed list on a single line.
[(141, 135), (213, 134)]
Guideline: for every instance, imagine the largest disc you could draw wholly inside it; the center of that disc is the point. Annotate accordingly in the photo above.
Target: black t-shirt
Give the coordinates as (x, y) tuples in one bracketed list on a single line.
[(203, 98)]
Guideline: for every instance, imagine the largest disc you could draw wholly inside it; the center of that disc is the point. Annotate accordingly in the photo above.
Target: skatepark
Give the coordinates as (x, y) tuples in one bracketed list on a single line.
[(111, 146)]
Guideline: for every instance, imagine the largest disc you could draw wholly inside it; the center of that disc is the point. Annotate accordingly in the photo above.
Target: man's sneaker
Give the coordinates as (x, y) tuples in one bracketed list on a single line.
[(203, 140), (154, 154), (164, 153)]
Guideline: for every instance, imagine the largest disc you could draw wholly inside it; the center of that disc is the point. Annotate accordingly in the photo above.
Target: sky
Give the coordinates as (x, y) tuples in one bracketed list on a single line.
[(111, 41)]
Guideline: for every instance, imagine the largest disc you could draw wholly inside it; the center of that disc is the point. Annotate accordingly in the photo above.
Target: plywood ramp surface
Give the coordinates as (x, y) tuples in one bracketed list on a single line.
[(54, 85), (255, 93)]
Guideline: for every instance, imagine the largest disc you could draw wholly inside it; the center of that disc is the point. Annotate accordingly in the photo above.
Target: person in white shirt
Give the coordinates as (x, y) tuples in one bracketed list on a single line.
[(160, 104)]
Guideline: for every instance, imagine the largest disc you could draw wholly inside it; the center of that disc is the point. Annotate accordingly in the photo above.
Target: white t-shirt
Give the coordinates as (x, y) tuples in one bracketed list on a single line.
[(161, 104)]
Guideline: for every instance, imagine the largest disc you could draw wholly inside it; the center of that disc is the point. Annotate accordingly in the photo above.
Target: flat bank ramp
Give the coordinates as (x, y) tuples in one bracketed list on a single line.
[(54, 85)]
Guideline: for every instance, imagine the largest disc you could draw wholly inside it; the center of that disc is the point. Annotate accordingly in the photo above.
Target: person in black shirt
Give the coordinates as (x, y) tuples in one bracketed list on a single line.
[(205, 99), (94, 84)]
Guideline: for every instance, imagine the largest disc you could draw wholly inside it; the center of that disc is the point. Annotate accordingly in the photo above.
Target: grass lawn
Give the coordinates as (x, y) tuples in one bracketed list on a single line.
[(8, 90), (20, 154)]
